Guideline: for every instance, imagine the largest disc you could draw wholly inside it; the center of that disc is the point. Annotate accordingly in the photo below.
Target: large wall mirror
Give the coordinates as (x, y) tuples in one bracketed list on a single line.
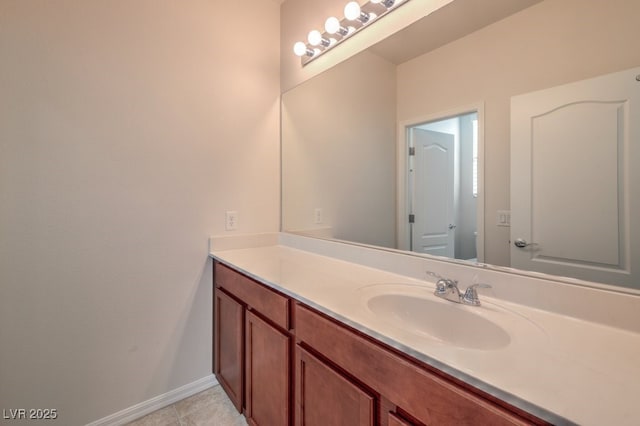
[(419, 126)]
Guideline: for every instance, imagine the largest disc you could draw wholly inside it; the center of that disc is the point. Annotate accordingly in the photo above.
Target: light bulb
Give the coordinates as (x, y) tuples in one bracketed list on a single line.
[(314, 37), (300, 49), (332, 25), (352, 11)]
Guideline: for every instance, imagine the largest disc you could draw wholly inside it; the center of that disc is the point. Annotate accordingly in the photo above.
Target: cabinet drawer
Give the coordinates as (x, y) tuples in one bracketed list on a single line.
[(258, 297), (428, 397)]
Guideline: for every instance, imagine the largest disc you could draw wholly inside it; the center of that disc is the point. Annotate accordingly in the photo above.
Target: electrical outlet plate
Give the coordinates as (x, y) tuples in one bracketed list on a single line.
[(317, 216), (231, 220)]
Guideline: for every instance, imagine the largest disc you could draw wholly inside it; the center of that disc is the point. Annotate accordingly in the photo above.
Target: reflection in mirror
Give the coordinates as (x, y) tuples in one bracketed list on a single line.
[(442, 176), (341, 131), (572, 153), (338, 172)]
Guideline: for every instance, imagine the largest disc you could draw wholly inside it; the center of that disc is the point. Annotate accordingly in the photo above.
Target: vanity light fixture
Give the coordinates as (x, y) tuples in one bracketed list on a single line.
[(356, 17)]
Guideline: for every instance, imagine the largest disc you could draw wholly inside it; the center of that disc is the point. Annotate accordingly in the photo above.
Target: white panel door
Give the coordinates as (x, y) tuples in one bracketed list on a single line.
[(433, 231), (574, 179)]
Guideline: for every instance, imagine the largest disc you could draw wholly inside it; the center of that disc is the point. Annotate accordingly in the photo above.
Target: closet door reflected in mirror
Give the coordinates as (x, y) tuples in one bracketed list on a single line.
[(573, 149)]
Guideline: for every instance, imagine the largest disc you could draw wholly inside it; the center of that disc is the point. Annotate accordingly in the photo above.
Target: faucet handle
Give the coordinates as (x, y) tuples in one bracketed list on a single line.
[(445, 286), (471, 295), (441, 286), (441, 283)]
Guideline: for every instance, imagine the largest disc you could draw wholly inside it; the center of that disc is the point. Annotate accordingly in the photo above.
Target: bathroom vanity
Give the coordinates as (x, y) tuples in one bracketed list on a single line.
[(339, 375), (318, 332), (362, 323)]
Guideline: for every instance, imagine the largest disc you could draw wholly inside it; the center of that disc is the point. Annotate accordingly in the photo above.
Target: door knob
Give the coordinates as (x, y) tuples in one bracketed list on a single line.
[(520, 243), (451, 226)]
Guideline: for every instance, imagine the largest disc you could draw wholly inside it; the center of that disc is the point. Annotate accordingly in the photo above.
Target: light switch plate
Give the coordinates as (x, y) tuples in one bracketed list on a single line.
[(503, 218)]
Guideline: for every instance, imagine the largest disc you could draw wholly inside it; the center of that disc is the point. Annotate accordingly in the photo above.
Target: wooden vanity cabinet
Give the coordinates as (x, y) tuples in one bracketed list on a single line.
[(283, 363), (252, 347), (403, 385)]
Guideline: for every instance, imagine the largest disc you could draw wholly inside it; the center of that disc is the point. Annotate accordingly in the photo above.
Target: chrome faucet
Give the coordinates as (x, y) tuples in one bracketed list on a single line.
[(447, 289)]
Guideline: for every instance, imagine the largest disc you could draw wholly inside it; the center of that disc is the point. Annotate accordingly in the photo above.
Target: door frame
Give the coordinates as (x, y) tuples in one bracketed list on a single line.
[(403, 230)]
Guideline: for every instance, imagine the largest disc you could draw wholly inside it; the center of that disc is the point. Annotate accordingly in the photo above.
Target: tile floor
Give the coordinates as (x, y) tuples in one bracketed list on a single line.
[(211, 407)]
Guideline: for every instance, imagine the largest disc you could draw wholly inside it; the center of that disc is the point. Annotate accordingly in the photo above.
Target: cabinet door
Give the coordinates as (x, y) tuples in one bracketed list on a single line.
[(325, 397), (228, 338), (267, 373)]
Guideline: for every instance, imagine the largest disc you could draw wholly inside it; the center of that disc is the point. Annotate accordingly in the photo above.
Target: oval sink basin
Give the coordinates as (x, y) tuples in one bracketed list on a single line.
[(444, 321)]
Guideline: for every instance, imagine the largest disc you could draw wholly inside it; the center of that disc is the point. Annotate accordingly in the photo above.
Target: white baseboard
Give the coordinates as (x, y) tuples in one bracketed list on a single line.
[(153, 404)]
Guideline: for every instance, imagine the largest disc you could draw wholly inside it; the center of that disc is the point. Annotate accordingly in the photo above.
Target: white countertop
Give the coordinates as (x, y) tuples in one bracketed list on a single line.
[(561, 368)]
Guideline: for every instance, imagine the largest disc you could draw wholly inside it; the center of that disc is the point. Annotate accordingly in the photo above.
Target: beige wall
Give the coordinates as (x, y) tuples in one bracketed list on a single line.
[(127, 128), (552, 43)]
